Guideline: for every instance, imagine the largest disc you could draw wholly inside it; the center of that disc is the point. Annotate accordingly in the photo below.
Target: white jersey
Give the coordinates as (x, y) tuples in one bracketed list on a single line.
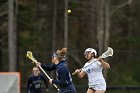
[(95, 77)]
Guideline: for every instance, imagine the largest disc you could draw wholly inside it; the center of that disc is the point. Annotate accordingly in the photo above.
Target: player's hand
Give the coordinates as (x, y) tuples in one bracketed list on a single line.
[(76, 71), (100, 58), (38, 64), (50, 81)]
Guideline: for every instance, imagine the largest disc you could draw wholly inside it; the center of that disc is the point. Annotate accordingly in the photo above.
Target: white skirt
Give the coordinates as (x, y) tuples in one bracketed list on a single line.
[(98, 86)]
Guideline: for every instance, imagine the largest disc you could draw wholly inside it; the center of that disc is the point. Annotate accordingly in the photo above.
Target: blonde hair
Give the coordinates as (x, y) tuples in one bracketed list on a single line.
[(35, 68), (61, 53)]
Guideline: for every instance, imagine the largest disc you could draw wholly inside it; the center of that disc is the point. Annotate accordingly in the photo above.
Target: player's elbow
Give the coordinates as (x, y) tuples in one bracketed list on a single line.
[(107, 66), (80, 75)]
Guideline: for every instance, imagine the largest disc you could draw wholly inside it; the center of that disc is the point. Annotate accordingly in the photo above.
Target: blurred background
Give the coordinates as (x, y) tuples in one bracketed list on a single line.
[(43, 26)]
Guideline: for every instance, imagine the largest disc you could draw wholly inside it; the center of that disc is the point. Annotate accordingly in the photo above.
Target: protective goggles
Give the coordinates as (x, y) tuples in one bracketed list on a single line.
[(54, 55), (57, 55), (87, 52)]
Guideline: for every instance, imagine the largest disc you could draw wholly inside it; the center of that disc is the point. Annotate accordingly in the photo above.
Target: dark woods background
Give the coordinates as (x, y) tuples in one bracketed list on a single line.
[(42, 27)]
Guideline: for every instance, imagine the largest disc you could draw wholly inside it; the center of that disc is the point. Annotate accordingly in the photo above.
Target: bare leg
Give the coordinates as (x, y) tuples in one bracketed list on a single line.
[(90, 91), (99, 91)]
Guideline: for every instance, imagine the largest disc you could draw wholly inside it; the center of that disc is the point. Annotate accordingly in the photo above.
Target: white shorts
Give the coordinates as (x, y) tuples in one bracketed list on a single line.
[(99, 86)]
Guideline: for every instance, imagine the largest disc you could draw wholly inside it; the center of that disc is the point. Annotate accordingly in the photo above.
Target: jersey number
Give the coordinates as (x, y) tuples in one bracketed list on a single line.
[(37, 85)]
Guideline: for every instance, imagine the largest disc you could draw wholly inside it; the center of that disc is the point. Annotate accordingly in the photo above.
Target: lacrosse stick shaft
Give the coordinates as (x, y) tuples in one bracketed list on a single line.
[(30, 56), (47, 76), (84, 67), (42, 70), (75, 72), (104, 55)]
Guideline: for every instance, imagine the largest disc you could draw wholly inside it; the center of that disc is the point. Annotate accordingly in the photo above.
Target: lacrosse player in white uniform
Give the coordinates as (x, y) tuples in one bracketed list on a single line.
[(93, 68)]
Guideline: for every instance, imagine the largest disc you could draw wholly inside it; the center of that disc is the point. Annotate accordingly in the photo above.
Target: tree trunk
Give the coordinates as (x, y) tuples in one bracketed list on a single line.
[(54, 31), (1, 61), (103, 26), (107, 27), (100, 25), (66, 24), (11, 37), (54, 25)]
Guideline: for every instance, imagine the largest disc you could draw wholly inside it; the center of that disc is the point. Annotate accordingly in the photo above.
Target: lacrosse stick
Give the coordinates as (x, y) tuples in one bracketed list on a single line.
[(30, 56), (106, 54)]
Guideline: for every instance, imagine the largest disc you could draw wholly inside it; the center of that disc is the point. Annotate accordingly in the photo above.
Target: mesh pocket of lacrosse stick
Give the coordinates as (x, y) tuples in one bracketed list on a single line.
[(108, 53), (30, 56)]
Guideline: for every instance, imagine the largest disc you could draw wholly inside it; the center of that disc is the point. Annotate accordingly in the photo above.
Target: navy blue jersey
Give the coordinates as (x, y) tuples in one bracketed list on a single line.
[(63, 78), (34, 83)]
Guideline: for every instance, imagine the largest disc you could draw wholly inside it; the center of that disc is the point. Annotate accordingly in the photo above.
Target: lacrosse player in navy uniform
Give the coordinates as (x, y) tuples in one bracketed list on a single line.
[(63, 79), (35, 81)]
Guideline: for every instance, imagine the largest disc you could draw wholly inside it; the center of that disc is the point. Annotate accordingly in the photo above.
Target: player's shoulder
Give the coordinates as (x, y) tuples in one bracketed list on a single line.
[(87, 63), (62, 64), (41, 75), (96, 61)]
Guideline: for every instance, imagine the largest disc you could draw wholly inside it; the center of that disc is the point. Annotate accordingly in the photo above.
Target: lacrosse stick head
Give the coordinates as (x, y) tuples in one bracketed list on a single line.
[(30, 56), (108, 53)]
